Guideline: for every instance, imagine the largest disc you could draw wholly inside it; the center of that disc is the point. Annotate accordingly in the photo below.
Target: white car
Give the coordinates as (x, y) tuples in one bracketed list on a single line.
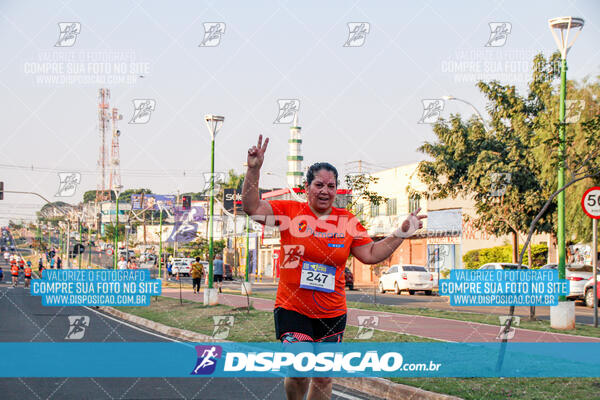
[(406, 277), (577, 275), (181, 267), (502, 266)]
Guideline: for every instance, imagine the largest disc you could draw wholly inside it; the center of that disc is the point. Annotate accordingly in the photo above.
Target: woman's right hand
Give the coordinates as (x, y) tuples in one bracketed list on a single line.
[(256, 154)]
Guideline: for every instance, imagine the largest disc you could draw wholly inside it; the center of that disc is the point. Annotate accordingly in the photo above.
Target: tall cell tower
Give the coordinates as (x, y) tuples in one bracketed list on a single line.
[(294, 173), (115, 158), (102, 193)]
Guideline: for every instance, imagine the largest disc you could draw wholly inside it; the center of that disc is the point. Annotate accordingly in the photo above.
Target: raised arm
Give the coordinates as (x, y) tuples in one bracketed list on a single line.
[(251, 202), (376, 252)]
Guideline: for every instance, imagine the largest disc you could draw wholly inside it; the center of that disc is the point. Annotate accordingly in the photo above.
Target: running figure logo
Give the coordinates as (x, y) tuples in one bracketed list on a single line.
[(432, 110), (499, 32), (77, 326), (68, 183), (142, 110), (291, 255), (499, 182), (366, 326), (574, 109), (223, 324), (219, 180), (68, 33), (212, 34), (508, 332), (358, 33), (207, 359), (287, 110)]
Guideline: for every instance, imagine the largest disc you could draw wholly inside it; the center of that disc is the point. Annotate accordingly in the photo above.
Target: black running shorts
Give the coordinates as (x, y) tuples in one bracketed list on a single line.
[(291, 326)]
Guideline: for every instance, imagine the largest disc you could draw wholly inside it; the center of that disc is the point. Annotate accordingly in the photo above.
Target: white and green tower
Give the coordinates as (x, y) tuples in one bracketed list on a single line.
[(294, 158)]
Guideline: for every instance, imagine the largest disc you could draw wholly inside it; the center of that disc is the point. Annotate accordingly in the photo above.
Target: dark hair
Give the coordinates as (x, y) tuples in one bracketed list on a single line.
[(316, 167), (197, 259)]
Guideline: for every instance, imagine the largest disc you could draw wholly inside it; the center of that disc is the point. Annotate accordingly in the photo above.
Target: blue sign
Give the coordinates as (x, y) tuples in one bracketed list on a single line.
[(152, 202), (520, 287), (98, 287), (218, 360)]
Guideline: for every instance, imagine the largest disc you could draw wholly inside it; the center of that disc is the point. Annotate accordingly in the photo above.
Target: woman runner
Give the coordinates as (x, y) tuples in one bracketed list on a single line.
[(316, 241)]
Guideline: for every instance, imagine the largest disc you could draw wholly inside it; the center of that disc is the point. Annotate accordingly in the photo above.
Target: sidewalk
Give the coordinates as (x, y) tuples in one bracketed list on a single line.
[(427, 327)]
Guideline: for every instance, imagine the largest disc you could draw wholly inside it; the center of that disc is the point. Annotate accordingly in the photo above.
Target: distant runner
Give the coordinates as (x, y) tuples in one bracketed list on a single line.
[(28, 274), (14, 271)]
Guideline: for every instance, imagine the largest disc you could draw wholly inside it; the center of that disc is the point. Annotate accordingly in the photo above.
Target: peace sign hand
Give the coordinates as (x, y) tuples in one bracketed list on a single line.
[(410, 225), (256, 154)]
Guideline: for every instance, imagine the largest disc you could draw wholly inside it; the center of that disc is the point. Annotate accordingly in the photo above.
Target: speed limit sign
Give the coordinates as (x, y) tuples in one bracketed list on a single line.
[(590, 202), (109, 252)]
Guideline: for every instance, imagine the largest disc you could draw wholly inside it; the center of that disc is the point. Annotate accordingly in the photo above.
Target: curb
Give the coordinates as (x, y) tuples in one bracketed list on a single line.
[(182, 334), (378, 387)]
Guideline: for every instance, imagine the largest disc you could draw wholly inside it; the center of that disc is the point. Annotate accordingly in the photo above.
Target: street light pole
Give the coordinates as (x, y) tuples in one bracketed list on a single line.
[(213, 122), (470, 105), (117, 191), (78, 249), (562, 317)]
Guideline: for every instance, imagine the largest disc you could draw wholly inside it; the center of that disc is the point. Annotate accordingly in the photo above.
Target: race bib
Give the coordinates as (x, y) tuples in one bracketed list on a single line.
[(319, 277)]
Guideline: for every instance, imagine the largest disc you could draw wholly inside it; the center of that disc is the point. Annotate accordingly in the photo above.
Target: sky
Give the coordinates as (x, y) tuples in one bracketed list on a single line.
[(360, 98)]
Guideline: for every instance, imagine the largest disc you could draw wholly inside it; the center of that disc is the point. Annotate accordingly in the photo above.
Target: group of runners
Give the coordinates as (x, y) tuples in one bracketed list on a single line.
[(18, 264)]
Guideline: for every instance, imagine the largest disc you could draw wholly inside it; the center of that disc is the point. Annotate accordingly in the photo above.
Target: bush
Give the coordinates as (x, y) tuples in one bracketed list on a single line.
[(475, 258)]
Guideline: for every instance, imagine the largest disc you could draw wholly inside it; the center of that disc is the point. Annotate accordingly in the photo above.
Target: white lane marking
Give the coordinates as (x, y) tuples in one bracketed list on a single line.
[(346, 395), (133, 326)]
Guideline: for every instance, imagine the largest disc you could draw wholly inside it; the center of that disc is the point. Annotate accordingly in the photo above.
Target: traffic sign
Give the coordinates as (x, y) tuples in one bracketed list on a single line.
[(590, 202), (109, 252)]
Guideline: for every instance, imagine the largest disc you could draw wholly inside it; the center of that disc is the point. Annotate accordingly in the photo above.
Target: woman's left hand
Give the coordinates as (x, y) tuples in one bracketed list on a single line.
[(410, 225)]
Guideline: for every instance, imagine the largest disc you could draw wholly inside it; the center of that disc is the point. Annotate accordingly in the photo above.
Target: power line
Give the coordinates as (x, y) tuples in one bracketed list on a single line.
[(128, 172)]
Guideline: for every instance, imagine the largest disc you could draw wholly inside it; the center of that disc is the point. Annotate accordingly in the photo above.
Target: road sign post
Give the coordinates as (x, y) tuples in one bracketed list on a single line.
[(590, 202)]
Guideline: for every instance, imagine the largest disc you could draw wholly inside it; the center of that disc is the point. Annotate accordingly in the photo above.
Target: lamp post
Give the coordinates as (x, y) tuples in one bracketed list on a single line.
[(127, 228), (214, 124), (117, 191), (563, 315), (78, 248), (450, 97)]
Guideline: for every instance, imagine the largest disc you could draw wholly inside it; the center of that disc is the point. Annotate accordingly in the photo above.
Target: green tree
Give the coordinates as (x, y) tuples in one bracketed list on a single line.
[(200, 247), (233, 180), (362, 195), (125, 196), (109, 232), (466, 157)]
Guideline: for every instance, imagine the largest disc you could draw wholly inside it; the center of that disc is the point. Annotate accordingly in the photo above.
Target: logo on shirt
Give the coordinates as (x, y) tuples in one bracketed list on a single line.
[(207, 359), (304, 228)]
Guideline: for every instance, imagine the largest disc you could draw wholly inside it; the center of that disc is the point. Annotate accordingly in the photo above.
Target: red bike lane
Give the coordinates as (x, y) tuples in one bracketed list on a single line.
[(427, 327)]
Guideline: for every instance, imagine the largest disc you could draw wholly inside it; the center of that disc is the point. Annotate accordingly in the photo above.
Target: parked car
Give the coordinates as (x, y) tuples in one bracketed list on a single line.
[(502, 266), (578, 275), (588, 292), (126, 254), (181, 267), (406, 277), (349, 278), (228, 272)]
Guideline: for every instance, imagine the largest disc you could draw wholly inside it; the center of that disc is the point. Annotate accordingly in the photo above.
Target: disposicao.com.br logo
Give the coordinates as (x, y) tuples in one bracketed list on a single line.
[(212, 359)]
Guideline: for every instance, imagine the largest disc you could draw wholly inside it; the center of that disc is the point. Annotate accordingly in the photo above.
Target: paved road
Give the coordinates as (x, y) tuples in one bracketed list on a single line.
[(24, 319)]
